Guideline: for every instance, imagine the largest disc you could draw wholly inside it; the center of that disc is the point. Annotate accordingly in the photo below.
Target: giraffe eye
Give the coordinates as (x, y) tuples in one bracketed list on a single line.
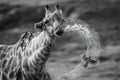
[(46, 22)]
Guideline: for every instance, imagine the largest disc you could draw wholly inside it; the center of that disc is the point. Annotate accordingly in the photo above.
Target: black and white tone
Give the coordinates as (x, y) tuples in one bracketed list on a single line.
[(59, 40)]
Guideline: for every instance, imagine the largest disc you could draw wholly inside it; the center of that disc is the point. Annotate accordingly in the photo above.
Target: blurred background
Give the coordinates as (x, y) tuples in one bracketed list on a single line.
[(17, 16)]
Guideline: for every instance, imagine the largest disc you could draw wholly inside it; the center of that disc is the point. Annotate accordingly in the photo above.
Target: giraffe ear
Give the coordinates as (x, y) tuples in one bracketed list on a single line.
[(39, 26)]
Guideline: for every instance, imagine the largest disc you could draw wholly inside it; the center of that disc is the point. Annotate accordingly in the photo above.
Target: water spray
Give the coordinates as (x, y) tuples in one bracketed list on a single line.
[(93, 47), (89, 34)]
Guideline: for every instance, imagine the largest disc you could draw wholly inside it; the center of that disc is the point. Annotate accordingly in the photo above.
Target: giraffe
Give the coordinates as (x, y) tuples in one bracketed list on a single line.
[(26, 59)]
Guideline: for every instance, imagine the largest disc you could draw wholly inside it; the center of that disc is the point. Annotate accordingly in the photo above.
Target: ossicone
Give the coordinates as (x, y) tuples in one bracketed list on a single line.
[(46, 7), (57, 7)]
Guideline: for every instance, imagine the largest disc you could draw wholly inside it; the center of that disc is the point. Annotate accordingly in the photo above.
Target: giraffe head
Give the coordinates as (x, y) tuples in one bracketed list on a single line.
[(53, 22)]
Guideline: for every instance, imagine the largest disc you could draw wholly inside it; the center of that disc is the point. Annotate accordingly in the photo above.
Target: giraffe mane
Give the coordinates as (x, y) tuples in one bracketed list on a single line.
[(25, 39)]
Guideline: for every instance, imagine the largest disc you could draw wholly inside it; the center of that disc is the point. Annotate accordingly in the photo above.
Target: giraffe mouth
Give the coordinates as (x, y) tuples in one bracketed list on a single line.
[(59, 33)]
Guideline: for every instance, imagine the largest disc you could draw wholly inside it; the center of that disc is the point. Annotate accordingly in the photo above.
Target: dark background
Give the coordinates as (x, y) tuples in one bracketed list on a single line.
[(17, 16)]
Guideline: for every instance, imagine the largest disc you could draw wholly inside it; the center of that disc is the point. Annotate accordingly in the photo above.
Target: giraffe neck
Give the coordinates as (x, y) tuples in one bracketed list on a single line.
[(39, 50), (28, 62)]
